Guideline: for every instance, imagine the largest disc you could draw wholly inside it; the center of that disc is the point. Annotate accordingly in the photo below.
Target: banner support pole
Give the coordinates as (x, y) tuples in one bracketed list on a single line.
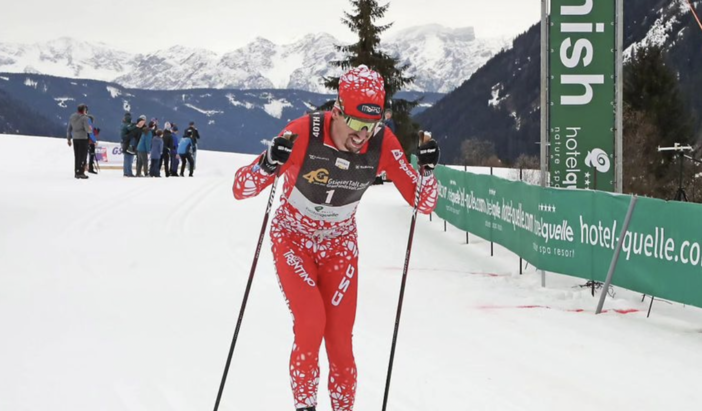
[(615, 257), (544, 92), (619, 92)]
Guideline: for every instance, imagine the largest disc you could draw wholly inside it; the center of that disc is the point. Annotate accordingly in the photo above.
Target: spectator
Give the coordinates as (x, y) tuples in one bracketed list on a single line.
[(156, 152), (195, 136), (174, 150), (92, 142), (166, 152), (143, 149), (153, 125), (185, 151), (389, 122), (136, 135), (78, 130), (126, 135)]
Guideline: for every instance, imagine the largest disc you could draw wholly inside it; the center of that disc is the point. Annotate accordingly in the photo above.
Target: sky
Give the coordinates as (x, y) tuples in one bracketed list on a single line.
[(221, 26), (122, 294)]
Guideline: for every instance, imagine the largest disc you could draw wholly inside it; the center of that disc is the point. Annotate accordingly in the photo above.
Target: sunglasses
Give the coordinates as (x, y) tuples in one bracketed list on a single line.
[(356, 124)]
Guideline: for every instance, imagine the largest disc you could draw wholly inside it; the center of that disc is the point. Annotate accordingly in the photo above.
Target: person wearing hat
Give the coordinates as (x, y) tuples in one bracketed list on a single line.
[(77, 134), (143, 146), (194, 135), (166, 153), (334, 159), (126, 133), (174, 151), (388, 121)]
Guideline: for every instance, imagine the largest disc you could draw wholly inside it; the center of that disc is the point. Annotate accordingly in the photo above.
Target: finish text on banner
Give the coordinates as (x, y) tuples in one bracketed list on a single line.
[(582, 68)]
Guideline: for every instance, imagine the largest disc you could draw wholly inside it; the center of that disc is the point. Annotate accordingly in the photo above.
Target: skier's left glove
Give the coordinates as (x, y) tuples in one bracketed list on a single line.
[(428, 155)]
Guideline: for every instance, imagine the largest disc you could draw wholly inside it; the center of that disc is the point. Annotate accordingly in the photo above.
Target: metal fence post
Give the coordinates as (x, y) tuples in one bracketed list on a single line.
[(615, 257)]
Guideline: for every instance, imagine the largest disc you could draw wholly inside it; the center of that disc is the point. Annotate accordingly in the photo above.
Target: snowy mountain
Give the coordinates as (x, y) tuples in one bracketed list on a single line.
[(66, 57), (440, 58)]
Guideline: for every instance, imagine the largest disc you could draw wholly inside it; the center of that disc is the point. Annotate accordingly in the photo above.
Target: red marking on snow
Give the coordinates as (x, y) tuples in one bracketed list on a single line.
[(629, 311), (545, 307)]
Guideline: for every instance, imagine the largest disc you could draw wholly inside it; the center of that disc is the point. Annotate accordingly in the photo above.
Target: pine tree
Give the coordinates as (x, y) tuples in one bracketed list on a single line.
[(366, 51), (652, 95)]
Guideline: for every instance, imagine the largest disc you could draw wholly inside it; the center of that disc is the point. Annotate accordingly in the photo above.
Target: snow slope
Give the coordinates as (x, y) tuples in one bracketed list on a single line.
[(122, 294)]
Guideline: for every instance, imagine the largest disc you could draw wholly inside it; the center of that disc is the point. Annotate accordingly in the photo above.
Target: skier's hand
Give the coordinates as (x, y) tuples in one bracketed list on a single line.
[(278, 153), (69, 143), (428, 153)]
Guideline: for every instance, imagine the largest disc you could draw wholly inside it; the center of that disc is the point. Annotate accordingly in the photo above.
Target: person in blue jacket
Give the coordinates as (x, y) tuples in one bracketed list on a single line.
[(156, 152), (185, 151), (388, 121), (143, 149), (92, 144)]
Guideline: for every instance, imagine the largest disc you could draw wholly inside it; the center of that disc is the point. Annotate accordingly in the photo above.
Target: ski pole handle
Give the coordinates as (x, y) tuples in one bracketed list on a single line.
[(424, 137), (288, 135)]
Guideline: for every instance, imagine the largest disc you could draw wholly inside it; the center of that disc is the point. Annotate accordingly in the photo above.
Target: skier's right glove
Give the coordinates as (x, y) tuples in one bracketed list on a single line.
[(428, 155), (277, 154)]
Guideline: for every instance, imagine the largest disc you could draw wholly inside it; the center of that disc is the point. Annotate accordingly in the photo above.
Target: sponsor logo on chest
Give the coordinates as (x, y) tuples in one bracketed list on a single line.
[(364, 167), (321, 177), (343, 164), (314, 157)]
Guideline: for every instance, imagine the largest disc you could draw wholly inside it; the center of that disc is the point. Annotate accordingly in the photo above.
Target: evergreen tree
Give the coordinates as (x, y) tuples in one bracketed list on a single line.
[(19, 118), (366, 51), (652, 94)]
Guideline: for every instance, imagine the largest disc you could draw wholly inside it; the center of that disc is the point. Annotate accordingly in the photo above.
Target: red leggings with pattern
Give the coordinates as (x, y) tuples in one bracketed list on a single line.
[(318, 278)]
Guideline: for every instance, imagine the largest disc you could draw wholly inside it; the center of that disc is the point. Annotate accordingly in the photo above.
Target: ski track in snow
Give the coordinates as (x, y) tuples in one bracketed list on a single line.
[(122, 294)]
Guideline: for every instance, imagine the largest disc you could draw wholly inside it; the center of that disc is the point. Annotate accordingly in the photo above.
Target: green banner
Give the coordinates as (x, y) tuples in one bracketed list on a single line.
[(582, 115), (575, 232)]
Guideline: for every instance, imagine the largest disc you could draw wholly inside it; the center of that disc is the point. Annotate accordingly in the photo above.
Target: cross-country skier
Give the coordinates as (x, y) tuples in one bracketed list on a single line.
[(331, 164)]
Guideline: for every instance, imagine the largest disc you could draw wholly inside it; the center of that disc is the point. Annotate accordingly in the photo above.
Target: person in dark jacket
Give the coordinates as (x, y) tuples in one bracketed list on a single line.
[(156, 152), (126, 135), (175, 158), (77, 135), (166, 153), (195, 137)]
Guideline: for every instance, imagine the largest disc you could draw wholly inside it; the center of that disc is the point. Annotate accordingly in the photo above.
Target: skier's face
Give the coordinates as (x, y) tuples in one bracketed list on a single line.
[(345, 137)]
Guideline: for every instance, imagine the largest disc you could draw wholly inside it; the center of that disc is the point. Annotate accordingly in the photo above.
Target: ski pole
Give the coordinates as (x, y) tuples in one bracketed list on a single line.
[(271, 197), (248, 289), (417, 196)]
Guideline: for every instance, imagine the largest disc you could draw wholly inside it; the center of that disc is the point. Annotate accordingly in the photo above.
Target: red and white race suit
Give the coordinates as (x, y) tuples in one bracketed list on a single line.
[(315, 250)]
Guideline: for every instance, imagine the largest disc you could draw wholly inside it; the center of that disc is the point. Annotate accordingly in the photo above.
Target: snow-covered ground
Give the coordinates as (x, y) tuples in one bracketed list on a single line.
[(122, 295)]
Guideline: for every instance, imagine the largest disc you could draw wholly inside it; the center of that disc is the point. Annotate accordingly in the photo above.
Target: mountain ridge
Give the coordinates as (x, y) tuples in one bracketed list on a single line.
[(440, 58)]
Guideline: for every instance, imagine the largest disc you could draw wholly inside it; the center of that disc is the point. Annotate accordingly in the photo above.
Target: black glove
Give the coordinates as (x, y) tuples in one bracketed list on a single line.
[(428, 154), (277, 154)]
